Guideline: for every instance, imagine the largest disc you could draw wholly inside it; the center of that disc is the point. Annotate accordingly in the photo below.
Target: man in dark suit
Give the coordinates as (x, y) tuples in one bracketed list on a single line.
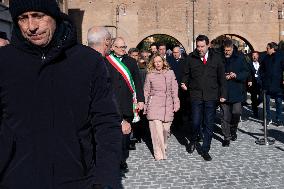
[(255, 88), (271, 74), (204, 76), (176, 62), (123, 93)]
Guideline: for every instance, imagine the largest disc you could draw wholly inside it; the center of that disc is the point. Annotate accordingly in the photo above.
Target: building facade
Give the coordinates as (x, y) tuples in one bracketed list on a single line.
[(256, 22)]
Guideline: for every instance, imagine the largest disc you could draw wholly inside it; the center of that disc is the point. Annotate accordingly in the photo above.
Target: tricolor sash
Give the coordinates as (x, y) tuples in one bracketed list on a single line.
[(124, 71)]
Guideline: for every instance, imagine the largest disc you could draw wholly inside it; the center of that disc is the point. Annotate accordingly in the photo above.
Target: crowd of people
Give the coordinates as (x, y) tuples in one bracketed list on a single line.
[(71, 113)]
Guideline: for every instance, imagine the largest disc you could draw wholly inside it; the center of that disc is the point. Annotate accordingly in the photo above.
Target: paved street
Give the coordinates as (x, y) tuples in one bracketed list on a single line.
[(242, 165)]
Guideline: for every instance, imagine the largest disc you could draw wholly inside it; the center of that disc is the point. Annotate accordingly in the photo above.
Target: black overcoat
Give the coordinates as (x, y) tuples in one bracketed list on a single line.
[(52, 98), (205, 82), (271, 73), (236, 91)]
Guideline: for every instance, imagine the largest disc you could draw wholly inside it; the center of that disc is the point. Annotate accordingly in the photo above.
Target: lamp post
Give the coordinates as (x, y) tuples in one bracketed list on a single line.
[(193, 25), (119, 8), (280, 20)]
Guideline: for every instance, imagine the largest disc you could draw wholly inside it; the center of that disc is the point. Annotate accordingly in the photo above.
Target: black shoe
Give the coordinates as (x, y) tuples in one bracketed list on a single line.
[(234, 137), (200, 139), (278, 123), (268, 122), (191, 147), (206, 156), (132, 147), (124, 167), (226, 143)]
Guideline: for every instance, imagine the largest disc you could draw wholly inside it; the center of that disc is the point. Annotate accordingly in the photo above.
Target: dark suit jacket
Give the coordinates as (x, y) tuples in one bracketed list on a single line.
[(256, 83), (121, 90), (177, 66), (271, 73), (205, 82)]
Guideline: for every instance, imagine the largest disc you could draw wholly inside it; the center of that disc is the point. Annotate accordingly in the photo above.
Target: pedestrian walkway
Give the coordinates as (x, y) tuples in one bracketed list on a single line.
[(242, 165)]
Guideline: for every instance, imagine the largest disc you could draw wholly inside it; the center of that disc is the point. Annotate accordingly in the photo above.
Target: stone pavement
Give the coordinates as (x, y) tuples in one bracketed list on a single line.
[(243, 165)]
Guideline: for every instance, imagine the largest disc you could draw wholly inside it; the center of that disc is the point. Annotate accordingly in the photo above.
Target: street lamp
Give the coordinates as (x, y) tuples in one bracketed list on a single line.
[(193, 25), (280, 19), (121, 8)]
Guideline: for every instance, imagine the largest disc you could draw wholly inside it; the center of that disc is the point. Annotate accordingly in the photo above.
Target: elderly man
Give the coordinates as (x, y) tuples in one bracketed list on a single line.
[(99, 39), (54, 94), (128, 89)]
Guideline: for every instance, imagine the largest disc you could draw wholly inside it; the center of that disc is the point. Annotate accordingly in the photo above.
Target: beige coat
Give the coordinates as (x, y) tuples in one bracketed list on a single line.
[(161, 95)]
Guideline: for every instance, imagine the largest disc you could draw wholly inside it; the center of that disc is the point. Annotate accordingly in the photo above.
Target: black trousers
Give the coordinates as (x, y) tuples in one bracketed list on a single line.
[(231, 113), (256, 98), (125, 147), (206, 110)]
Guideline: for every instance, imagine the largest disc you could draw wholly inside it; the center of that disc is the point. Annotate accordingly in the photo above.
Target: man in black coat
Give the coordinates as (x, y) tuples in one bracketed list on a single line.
[(123, 94), (236, 75), (177, 62), (54, 93), (271, 74), (204, 77), (255, 88)]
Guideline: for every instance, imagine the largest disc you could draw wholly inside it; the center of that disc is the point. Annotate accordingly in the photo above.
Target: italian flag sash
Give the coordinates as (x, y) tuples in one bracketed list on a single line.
[(124, 71)]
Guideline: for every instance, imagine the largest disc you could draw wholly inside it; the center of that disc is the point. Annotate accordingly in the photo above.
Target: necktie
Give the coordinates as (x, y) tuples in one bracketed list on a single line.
[(204, 60)]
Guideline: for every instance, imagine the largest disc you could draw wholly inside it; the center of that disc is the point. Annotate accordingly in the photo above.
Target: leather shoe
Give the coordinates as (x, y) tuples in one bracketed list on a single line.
[(124, 167), (206, 156), (278, 123), (191, 147), (226, 143), (234, 137), (132, 147)]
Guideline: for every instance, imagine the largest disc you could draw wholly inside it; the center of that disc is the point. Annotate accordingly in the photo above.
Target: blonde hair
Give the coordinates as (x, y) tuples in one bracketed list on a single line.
[(151, 67)]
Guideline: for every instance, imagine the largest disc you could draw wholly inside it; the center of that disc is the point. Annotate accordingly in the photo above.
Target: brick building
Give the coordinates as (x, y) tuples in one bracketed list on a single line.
[(255, 22)]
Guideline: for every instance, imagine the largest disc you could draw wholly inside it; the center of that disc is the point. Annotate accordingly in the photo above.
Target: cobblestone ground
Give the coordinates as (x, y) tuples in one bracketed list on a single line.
[(242, 165)]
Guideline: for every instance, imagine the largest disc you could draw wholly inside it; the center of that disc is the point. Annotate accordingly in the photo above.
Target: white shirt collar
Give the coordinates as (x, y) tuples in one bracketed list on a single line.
[(206, 56)]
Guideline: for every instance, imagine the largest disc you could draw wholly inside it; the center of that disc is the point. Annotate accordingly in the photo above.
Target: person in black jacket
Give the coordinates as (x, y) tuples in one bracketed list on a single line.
[(54, 93), (236, 75), (255, 88), (123, 93), (204, 77), (177, 62), (271, 74), (99, 39)]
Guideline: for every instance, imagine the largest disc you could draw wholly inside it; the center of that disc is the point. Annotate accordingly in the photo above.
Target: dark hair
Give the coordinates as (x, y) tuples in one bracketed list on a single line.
[(273, 45), (228, 43), (131, 50), (154, 44), (202, 38), (162, 44)]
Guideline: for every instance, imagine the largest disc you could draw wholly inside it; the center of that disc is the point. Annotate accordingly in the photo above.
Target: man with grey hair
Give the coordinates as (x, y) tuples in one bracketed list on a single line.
[(99, 39)]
